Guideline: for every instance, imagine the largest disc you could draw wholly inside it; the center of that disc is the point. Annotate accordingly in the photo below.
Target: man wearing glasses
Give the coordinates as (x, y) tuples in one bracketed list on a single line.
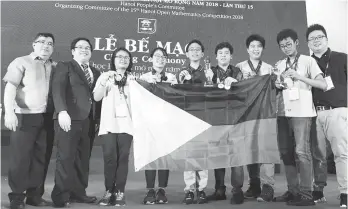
[(72, 84), (331, 122), (26, 105), (299, 73), (195, 74)]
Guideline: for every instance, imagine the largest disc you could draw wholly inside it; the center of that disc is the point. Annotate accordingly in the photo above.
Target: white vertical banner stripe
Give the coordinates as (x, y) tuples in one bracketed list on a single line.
[(159, 127)]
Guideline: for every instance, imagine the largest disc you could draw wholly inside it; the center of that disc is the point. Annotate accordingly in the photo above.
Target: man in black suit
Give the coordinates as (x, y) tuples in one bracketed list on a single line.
[(72, 86)]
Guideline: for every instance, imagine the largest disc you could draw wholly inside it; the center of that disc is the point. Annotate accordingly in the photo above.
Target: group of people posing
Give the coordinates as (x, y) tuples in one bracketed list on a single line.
[(65, 100)]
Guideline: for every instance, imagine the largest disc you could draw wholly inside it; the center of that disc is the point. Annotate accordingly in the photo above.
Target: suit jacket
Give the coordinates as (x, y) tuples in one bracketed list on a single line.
[(71, 92)]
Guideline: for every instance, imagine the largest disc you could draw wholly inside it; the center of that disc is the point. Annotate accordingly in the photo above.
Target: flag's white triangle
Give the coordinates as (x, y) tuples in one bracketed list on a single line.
[(159, 127)]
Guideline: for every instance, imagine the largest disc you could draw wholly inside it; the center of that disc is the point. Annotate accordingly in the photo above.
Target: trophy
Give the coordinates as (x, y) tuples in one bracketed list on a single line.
[(280, 77), (209, 81)]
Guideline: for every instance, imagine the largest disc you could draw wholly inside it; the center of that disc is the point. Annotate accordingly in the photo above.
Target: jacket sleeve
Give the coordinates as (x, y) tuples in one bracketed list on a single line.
[(237, 74), (59, 85), (214, 79)]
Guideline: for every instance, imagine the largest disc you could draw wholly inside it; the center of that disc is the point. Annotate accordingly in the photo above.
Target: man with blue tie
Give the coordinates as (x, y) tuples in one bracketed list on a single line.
[(72, 85)]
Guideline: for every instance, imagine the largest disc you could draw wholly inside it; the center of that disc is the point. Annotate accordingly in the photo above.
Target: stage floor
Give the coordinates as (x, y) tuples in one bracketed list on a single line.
[(135, 188)]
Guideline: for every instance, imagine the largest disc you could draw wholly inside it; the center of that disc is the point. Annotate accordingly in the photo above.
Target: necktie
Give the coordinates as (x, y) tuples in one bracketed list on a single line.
[(87, 74)]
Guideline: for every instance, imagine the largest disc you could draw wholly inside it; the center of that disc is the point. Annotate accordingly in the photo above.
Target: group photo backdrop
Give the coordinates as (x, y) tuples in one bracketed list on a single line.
[(141, 26)]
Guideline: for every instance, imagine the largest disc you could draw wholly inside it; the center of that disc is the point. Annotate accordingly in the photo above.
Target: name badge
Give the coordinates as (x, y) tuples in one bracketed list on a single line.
[(294, 94), (329, 83)]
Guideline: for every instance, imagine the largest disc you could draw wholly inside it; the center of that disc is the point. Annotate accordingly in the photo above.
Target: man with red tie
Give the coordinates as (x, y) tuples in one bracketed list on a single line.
[(72, 85)]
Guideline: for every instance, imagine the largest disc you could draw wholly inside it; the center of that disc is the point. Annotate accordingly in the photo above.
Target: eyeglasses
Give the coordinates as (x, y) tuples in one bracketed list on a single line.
[(43, 42), (87, 48), (287, 45), (224, 53), (319, 38), (195, 49), (160, 57), (123, 58)]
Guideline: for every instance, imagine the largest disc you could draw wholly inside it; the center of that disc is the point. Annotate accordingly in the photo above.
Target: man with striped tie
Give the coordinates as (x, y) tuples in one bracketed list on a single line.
[(72, 84)]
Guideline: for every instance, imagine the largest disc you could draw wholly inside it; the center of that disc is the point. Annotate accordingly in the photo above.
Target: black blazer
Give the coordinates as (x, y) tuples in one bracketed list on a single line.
[(71, 92)]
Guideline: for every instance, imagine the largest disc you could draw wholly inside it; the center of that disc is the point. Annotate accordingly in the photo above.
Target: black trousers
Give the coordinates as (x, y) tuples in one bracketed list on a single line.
[(72, 163), (116, 149), (49, 127), (237, 178), (27, 159), (93, 129), (150, 176), (254, 174)]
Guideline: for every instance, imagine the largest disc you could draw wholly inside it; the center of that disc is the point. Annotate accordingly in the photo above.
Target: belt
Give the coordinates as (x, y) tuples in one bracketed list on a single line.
[(321, 108)]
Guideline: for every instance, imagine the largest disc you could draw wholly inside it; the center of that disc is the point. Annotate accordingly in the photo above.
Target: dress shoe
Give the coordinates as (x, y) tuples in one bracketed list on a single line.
[(83, 199), (17, 204), (253, 191), (37, 201), (62, 205), (219, 194), (237, 196)]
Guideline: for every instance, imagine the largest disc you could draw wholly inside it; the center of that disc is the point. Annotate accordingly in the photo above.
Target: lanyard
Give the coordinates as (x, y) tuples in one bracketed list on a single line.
[(222, 74), (257, 68), (162, 74), (327, 65), (289, 65)]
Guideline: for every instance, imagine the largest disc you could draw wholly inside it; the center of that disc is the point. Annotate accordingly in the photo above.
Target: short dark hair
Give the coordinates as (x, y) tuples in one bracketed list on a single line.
[(287, 33), (129, 68), (223, 45), (194, 41), (47, 35), (73, 43), (315, 27), (255, 37), (158, 48)]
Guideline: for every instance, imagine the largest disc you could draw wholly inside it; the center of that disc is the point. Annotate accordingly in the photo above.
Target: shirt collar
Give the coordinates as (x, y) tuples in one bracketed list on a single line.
[(81, 63), (229, 67), (35, 57), (325, 56), (192, 69), (155, 72)]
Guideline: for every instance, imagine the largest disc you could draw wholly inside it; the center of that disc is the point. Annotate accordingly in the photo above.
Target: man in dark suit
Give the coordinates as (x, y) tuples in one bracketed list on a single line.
[(72, 86)]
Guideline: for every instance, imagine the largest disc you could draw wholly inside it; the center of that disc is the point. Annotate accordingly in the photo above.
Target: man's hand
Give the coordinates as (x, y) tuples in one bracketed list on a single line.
[(278, 84), (229, 80), (64, 121), (153, 79), (11, 121), (184, 75), (173, 81), (292, 74), (104, 77)]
